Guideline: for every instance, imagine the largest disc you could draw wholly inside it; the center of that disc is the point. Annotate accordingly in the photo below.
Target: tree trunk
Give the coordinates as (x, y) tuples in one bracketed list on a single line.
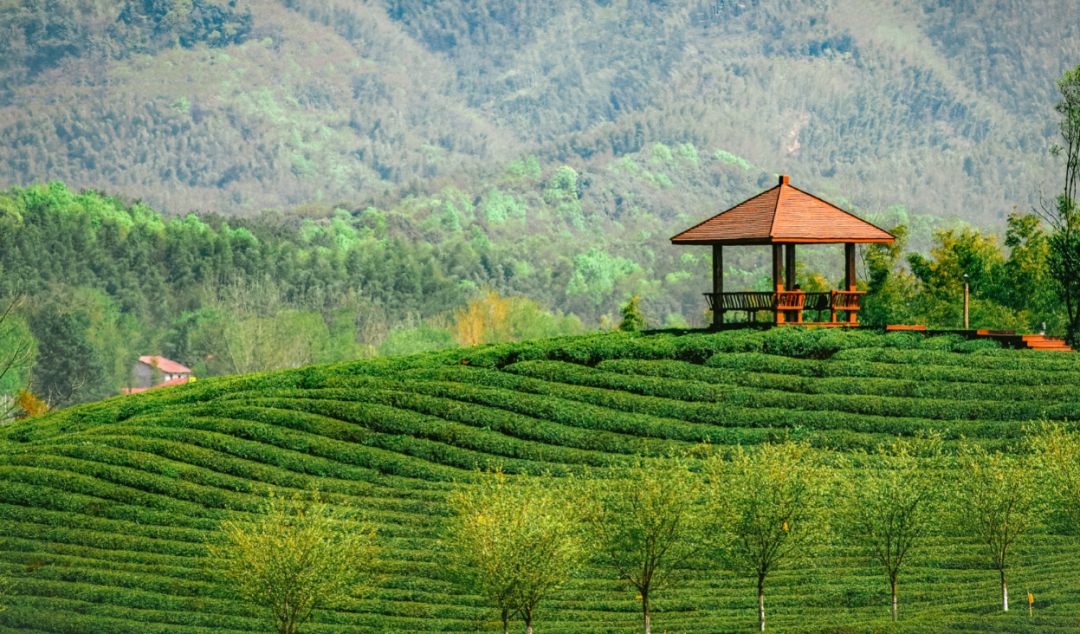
[(645, 610), (506, 621), (761, 601), (1004, 593), (894, 599)]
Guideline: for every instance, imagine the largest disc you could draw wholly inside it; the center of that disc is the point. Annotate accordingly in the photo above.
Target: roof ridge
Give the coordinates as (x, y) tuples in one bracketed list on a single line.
[(776, 208)]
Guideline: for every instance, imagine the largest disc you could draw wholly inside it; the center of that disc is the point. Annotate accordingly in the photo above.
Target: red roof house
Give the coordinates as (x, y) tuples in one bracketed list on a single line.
[(172, 373)]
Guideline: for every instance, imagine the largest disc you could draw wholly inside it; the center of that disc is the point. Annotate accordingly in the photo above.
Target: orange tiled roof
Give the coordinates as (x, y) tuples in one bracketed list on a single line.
[(180, 380), (783, 214), (165, 365)]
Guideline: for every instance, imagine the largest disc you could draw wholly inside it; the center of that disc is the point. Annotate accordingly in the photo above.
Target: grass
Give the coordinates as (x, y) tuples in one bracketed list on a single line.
[(105, 508)]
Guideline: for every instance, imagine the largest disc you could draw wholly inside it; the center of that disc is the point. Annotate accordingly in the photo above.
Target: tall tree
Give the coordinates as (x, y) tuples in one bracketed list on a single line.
[(892, 503), (772, 508), (69, 368), (514, 541), (996, 503), (294, 557), (1062, 213), (647, 525)]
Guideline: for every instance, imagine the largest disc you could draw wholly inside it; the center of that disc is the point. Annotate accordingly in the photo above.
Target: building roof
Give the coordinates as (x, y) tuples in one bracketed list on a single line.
[(180, 380), (165, 365), (783, 214)]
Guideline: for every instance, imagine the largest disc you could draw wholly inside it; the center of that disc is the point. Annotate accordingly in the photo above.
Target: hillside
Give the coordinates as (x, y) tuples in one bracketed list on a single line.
[(941, 106), (106, 506)]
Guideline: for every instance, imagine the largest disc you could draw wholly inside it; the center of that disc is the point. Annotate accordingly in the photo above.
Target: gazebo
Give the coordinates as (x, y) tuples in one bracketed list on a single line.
[(784, 217)]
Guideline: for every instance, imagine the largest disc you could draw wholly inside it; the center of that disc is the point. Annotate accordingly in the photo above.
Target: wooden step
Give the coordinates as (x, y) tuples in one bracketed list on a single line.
[(1044, 342)]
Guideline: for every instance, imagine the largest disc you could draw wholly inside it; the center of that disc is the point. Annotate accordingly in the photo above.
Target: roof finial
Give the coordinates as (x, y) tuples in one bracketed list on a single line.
[(784, 179)]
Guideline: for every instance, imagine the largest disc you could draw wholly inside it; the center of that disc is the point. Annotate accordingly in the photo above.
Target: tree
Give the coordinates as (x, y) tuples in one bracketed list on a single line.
[(1059, 450), (893, 502), (890, 288), (772, 508), (69, 368), (17, 352), (633, 320), (477, 322), (250, 327), (515, 542), (1061, 213), (995, 503), (647, 525), (294, 557)]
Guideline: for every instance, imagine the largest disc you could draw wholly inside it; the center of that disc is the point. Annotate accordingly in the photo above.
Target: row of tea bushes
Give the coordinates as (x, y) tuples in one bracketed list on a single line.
[(688, 390), (900, 388), (754, 362)]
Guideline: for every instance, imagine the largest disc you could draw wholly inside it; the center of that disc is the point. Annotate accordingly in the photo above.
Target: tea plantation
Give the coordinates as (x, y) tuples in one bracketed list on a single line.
[(105, 509)]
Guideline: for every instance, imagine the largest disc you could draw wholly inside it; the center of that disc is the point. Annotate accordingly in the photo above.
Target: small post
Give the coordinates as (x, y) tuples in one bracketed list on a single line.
[(965, 301), (1031, 605), (717, 284)]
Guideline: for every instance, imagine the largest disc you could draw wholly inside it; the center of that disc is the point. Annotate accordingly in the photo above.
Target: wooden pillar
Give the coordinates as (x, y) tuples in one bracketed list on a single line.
[(778, 275), (789, 278), (717, 283), (849, 265), (849, 275), (789, 266)]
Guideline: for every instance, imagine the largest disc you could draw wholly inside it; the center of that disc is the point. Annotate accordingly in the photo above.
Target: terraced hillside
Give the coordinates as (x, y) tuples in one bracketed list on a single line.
[(105, 508)]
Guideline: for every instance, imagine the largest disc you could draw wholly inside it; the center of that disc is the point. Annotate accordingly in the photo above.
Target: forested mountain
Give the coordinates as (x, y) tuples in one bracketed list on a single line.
[(941, 105)]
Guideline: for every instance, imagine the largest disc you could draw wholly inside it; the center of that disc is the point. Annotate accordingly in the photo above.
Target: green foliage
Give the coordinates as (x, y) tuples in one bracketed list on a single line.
[(646, 526), (1059, 450), (297, 557), (18, 351), (423, 338), (596, 274), (997, 503), (772, 509), (69, 369), (516, 541), (893, 504), (633, 320)]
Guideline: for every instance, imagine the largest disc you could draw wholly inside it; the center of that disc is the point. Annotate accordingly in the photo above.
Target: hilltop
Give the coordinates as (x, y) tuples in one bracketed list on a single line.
[(106, 507)]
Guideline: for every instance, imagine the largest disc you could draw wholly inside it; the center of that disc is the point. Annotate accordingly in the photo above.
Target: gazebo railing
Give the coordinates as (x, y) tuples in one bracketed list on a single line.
[(752, 302), (847, 300)]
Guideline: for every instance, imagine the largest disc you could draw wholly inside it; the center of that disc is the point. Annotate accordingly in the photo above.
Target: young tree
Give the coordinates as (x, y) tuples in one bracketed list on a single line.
[(295, 557), (772, 507), (515, 541), (633, 320), (646, 524), (1062, 213), (995, 502), (1059, 449), (892, 503)]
